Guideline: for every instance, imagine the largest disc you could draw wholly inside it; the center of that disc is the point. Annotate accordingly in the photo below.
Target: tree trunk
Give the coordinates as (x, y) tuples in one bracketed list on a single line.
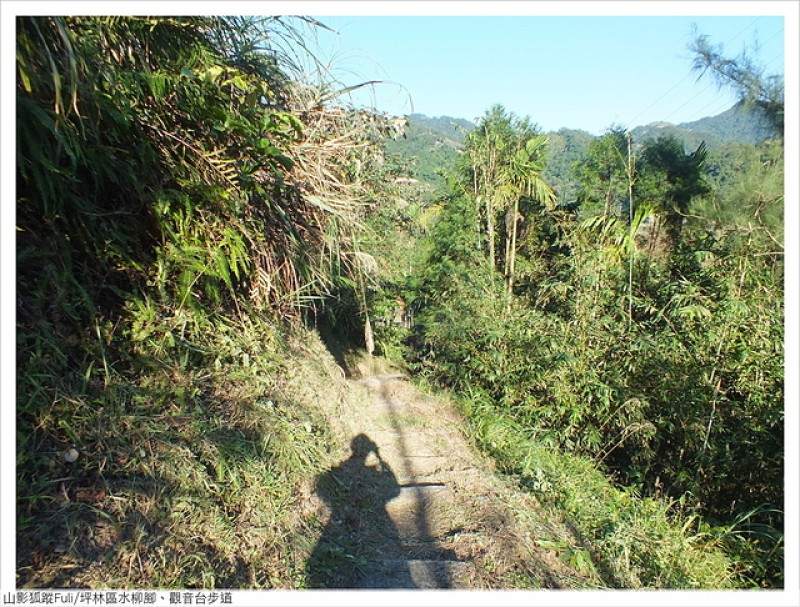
[(369, 339), (488, 190), (490, 233), (512, 255)]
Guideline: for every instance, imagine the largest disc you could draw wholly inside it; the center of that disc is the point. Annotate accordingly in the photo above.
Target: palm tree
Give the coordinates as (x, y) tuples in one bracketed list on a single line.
[(506, 155), (521, 178), (487, 147)]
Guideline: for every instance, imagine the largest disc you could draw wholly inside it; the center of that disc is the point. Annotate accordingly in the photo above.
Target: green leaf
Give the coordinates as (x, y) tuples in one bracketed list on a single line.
[(23, 76)]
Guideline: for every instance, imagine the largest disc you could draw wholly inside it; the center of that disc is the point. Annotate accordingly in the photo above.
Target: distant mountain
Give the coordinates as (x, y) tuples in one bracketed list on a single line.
[(431, 145), (737, 124), (445, 127), (566, 146)]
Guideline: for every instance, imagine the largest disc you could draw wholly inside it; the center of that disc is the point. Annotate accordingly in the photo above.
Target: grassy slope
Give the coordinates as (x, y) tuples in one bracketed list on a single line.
[(630, 541), (188, 469), (175, 448), (627, 541), (197, 475)]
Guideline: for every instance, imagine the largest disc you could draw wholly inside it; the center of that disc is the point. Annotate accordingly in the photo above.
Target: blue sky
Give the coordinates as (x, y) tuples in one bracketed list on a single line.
[(586, 72)]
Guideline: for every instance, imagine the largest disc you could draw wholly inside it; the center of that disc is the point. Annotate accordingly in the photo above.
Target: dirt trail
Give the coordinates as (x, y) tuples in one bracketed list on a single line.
[(413, 505)]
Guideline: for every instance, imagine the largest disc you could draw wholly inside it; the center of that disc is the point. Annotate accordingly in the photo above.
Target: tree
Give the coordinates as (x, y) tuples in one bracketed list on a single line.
[(747, 185), (521, 178), (669, 179), (487, 148), (745, 76), (603, 175), (505, 168)]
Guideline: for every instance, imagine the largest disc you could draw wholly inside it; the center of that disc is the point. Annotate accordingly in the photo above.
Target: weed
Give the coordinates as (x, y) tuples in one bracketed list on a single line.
[(626, 540)]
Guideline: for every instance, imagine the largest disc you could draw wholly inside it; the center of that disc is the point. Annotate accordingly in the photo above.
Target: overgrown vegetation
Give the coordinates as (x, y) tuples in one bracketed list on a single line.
[(628, 540), (645, 331), (181, 198), (186, 200)]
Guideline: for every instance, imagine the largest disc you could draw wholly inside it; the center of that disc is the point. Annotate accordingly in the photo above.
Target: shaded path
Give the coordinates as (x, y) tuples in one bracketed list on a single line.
[(378, 534), (359, 530)]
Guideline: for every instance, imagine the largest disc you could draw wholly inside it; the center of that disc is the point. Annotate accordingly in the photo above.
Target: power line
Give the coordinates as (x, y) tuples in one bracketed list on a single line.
[(660, 98), (657, 61), (725, 105), (750, 25), (774, 59), (744, 30), (641, 75), (770, 39), (692, 98), (699, 113), (780, 31)]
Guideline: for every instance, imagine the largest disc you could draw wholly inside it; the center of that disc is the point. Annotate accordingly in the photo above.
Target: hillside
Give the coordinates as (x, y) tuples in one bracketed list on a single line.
[(245, 358), (440, 516), (736, 124), (429, 148), (431, 145), (566, 147)]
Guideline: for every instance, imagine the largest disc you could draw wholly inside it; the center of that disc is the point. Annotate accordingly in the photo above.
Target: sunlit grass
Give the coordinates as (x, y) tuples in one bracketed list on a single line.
[(629, 541), (187, 472)]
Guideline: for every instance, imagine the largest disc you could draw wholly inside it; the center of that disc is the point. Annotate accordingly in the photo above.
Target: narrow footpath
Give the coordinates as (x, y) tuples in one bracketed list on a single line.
[(414, 506)]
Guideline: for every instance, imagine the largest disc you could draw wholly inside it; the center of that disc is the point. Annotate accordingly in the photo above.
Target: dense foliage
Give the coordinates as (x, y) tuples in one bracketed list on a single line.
[(428, 150), (648, 333), (740, 123), (180, 195), (746, 77), (429, 146)]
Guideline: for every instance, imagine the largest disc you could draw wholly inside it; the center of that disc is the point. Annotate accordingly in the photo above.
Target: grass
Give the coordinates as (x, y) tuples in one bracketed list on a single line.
[(192, 440), (196, 436), (614, 536)]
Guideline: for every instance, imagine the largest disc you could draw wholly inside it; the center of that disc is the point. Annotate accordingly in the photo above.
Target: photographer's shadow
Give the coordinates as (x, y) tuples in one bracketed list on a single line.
[(360, 531)]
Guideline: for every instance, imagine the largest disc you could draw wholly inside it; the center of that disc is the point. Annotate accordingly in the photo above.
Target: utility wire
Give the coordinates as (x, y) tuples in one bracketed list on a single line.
[(660, 98), (692, 98), (664, 56), (750, 25), (700, 113)]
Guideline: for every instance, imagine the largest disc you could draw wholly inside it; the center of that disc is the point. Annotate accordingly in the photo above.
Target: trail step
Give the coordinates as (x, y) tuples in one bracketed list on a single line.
[(416, 494), (377, 381), (391, 452), (402, 573)]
